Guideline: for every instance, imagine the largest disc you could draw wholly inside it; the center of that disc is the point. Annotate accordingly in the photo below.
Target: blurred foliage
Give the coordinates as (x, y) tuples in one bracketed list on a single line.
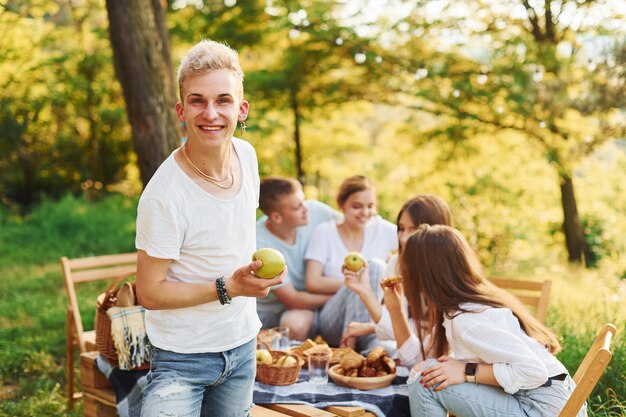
[(62, 121)]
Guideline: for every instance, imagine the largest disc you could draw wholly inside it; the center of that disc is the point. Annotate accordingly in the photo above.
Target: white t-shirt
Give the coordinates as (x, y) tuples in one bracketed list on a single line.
[(326, 246), (206, 238)]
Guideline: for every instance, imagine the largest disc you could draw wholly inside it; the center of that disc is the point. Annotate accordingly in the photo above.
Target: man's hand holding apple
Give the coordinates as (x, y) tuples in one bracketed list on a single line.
[(243, 282)]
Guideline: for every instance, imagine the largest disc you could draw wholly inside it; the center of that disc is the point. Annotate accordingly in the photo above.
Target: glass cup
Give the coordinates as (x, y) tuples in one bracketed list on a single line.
[(318, 367), (280, 338)]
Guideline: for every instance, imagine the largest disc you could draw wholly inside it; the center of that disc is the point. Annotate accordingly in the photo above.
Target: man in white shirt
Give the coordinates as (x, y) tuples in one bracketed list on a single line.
[(195, 238), (287, 226)]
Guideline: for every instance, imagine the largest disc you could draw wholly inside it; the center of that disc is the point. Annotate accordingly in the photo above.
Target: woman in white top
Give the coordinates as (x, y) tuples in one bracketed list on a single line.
[(421, 209), (501, 358), (362, 230)]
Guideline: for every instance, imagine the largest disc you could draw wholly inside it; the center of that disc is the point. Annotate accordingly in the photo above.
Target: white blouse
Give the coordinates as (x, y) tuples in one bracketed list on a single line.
[(494, 336)]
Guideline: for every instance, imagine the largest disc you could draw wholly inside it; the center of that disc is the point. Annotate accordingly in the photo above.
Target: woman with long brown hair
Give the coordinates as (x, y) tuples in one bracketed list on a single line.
[(493, 357)]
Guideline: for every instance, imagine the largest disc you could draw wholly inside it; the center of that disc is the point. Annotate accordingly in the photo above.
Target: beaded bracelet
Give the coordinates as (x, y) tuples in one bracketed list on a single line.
[(222, 294)]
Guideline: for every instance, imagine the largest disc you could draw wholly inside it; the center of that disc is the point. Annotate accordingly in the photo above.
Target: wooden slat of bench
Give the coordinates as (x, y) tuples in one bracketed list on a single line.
[(101, 395), (93, 408), (517, 284), (347, 411), (98, 274), (299, 410), (103, 261), (261, 411), (528, 300)]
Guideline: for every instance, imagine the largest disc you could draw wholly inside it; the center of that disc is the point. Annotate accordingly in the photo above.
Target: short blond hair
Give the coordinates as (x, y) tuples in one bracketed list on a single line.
[(208, 55)]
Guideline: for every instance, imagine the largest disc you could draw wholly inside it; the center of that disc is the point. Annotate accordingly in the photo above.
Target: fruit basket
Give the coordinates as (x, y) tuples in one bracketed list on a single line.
[(359, 382), (277, 373)]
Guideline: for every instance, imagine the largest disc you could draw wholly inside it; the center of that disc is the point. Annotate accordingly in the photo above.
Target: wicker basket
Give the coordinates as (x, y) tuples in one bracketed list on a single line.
[(277, 374), (104, 340)]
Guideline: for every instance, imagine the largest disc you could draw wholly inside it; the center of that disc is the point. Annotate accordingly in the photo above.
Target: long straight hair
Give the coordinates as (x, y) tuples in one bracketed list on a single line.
[(425, 208), (441, 272)]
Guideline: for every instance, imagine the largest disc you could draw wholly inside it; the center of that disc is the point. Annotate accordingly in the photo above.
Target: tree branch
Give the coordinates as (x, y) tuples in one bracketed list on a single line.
[(534, 21)]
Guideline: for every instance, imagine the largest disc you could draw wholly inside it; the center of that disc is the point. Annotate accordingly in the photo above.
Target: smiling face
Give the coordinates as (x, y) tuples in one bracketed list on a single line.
[(292, 210), (359, 207), (211, 106), (406, 228)]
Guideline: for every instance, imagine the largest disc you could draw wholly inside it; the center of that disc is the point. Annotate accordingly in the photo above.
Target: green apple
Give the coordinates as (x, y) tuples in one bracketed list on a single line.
[(286, 361), (264, 356), (354, 261), (273, 262)]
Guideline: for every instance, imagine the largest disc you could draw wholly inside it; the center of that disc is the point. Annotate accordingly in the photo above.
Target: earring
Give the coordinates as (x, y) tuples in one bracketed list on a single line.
[(242, 127), (183, 125)]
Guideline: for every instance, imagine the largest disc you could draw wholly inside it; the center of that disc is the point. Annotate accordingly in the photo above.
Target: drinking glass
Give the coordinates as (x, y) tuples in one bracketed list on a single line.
[(280, 338), (318, 367)]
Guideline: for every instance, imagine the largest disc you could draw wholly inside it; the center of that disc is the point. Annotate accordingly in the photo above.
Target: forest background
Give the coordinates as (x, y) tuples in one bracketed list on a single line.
[(513, 111)]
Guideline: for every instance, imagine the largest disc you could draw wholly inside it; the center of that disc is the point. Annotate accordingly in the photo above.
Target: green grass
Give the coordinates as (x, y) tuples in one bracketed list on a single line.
[(32, 304)]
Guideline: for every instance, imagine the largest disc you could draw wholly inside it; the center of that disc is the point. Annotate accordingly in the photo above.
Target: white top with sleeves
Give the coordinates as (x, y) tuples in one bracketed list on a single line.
[(494, 336), (326, 246), (206, 238)]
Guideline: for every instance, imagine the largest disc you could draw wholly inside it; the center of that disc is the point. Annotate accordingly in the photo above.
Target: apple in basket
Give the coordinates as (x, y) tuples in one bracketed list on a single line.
[(354, 261), (264, 356), (273, 262), (286, 361)]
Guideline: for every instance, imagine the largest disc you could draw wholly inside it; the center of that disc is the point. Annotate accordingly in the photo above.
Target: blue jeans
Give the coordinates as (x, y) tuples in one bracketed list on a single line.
[(473, 400), (201, 384)]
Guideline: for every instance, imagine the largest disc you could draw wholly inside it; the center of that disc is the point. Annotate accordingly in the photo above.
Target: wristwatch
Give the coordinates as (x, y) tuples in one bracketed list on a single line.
[(470, 371)]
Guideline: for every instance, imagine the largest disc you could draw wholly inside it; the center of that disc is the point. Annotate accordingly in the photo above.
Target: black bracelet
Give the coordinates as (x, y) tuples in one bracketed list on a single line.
[(222, 294)]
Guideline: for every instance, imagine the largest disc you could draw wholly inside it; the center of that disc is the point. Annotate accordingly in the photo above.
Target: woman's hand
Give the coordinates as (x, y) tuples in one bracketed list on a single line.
[(359, 282), (445, 373), (354, 330), (393, 297)]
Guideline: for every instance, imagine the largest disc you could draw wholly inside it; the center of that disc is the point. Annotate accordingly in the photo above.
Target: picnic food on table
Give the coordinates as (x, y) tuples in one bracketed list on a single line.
[(273, 262), (310, 346), (391, 281), (377, 363), (354, 261)]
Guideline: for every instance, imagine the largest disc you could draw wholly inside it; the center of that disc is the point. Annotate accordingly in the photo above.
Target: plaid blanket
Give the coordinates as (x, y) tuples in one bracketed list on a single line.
[(391, 401)]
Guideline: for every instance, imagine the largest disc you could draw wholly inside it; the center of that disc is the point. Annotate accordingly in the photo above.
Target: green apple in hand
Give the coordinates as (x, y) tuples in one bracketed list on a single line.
[(264, 356), (273, 262), (354, 261)]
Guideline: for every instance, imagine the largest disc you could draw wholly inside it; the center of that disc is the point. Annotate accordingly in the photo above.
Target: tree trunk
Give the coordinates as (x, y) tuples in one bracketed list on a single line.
[(574, 240), (295, 107), (143, 65)]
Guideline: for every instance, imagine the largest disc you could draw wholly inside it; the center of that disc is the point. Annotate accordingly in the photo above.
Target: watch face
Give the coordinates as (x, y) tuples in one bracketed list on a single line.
[(470, 368)]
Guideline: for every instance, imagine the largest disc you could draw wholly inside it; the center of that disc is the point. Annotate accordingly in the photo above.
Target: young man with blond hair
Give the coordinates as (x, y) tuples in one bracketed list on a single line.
[(195, 238), (287, 226)]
